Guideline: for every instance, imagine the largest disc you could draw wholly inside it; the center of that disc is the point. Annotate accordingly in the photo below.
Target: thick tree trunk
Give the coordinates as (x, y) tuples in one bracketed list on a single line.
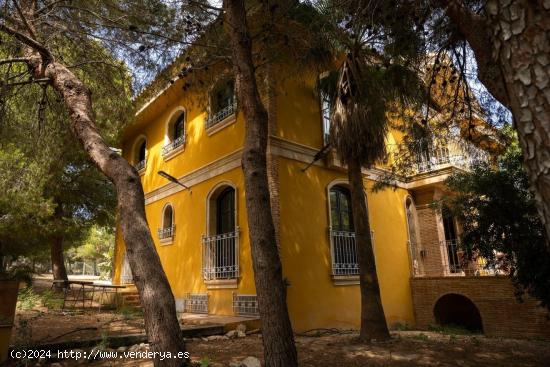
[(156, 296), (373, 320), (278, 338), (58, 262), (161, 323), (513, 52)]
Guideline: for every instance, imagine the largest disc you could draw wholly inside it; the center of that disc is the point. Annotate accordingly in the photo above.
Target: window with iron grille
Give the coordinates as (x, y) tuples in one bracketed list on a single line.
[(342, 233), (176, 135), (196, 302), (220, 256), (140, 157), (222, 103), (168, 227), (221, 249), (245, 304)]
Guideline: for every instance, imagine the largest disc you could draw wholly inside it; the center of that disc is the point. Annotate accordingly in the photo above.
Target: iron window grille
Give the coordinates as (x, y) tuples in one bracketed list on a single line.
[(140, 165), (167, 232), (196, 302), (220, 115), (221, 256), (176, 143), (245, 305), (343, 252)]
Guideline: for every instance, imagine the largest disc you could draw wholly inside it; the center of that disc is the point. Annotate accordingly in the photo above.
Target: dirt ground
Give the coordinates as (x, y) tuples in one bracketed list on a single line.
[(39, 324), (40, 319), (407, 348)]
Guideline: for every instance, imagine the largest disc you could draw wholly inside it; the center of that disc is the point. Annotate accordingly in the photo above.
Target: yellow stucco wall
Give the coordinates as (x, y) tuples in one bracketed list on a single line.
[(313, 298)]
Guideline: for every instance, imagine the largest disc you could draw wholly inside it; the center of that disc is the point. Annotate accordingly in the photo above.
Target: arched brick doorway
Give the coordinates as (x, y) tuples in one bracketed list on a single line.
[(458, 310)]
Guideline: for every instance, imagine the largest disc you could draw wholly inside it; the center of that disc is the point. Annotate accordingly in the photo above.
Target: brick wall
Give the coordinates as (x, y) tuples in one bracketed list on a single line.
[(501, 314), (431, 263)]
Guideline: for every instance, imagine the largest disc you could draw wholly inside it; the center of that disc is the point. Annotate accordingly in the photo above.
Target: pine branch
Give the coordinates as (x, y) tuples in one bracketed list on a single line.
[(14, 60), (29, 41), (32, 81), (23, 19)]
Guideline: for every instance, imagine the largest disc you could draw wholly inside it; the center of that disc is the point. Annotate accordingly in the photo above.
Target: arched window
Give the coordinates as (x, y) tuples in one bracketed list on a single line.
[(222, 103), (342, 235), (168, 217), (166, 232), (223, 96), (140, 153), (225, 211), (341, 216), (175, 133), (220, 246)]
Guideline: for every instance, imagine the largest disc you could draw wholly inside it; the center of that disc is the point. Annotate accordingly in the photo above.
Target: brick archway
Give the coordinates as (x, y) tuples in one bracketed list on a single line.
[(458, 310)]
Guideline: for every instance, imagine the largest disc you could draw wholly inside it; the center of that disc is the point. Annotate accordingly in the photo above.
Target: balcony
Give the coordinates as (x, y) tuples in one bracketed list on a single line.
[(447, 259), (344, 253), (430, 156), (140, 166), (173, 146), (166, 234), (213, 120), (220, 256)]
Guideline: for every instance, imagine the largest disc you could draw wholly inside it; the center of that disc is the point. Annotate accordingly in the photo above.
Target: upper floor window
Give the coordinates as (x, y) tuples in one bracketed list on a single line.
[(222, 103), (175, 134), (140, 154), (326, 113), (326, 85), (342, 234), (166, 232)]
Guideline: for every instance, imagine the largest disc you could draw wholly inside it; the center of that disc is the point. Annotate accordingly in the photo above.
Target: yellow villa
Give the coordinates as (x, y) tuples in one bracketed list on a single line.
[(201, 234)]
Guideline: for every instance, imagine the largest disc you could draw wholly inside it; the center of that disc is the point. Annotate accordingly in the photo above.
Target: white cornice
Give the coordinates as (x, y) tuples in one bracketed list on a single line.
[(290, 150), (213, 169)]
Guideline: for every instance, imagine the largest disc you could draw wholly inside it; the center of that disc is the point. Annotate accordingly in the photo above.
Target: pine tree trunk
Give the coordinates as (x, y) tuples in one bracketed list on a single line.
[(156, 296), (278, 338), (373, 320), (522, 46), (512, 49), (58, 263), (56, 246), (161, 323)]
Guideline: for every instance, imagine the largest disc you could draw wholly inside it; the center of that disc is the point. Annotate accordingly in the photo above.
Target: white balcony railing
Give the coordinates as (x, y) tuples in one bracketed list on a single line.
[(344, 253), (140, 165), (448, 259), (167, 232), (457, 262), (220, 115), (176, 143), (220, 256), (431, 156)]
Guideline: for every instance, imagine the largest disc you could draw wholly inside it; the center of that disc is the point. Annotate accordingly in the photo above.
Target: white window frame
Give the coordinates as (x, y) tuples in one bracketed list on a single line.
[(168, 153)]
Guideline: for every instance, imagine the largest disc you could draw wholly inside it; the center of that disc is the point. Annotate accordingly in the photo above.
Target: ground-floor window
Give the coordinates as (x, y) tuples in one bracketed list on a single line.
[(220, 247), (342, 232)]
